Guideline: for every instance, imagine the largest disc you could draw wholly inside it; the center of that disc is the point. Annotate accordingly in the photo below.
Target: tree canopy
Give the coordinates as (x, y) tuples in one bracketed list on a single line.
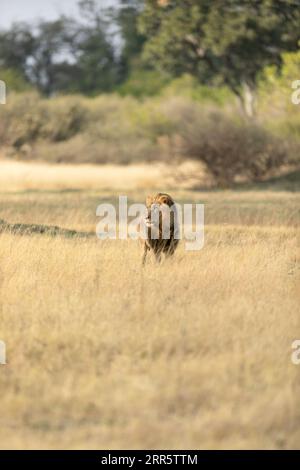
[(220, 41)]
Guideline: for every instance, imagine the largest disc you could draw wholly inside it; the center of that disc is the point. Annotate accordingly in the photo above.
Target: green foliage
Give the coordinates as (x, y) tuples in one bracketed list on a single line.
[(27, 118), (275, 87), (117, 129), (14, 80), (62, 55), (96, 70), (220, 42), (16, 46), (127, 21), (141, 83), (185, 120), (189, 87), (275, 90), (152, 122), (77, 129)]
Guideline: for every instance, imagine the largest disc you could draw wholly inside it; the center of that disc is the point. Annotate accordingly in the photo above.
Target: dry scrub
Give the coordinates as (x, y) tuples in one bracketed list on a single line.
[(194, 353), (121, 130)]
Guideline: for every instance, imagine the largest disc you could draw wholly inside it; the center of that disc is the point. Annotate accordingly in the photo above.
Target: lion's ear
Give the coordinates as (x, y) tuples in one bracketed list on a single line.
[(149, 200), (166, 199)]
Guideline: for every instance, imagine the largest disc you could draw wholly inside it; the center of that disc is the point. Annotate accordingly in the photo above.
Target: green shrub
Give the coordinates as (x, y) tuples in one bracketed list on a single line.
[(189, 87), (275, 90), (229, 148), (111, 128), (26, 118), (14, 80), (21, 119), (143, 83), (63, 118)]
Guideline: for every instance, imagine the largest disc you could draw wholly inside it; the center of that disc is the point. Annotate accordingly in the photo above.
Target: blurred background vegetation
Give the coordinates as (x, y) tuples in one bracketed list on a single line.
[(149, 80)]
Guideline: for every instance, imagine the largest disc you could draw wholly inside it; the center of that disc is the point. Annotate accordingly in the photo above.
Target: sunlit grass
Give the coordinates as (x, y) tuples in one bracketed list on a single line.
[(192, 353)]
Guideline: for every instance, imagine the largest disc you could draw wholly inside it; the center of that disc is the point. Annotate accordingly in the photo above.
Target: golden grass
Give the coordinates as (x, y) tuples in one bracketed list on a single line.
[(192, 353), (25, 176)]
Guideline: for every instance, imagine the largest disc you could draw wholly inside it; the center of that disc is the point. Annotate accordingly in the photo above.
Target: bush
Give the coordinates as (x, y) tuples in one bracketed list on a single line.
[(275, 106), (115, 129), (21, 119), (14, 80), (63, 118), (228, 148), (143, 83), (28, 118), (189, 87), (75, 129)]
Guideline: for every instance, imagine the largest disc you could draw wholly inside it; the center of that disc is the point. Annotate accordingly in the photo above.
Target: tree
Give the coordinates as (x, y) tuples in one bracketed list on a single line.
[(126, 18), (93, 51), (51, 54), (16, 45), (64, 55), (220, 41), (39, 53)]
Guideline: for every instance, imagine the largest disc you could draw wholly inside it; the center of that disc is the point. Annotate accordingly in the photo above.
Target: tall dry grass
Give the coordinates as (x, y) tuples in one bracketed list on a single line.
[(192, 353)]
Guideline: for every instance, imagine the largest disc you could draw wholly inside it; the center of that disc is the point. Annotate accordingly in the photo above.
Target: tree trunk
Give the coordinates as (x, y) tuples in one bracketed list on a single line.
[(248, 100)]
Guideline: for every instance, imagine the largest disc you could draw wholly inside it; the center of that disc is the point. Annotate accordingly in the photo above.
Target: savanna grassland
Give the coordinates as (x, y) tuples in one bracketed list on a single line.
[(192, 353)]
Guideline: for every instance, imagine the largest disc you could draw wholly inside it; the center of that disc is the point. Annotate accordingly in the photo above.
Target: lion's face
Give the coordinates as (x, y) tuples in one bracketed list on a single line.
[(158, 207)]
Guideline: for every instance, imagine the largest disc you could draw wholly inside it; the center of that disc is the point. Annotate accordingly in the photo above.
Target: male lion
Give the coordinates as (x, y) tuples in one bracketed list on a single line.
[(161, 226)]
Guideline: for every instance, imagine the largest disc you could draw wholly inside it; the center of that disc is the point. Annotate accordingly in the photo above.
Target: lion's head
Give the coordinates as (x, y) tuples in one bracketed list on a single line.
[(158, 211)]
